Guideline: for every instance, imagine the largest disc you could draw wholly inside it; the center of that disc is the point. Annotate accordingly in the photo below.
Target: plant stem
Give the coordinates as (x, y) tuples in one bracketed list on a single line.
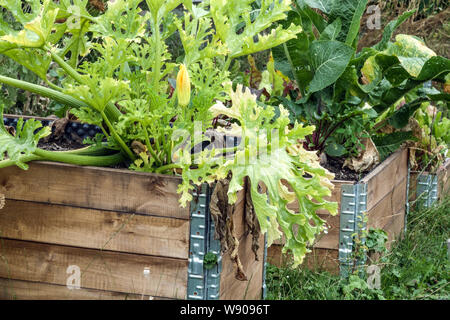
[(111, 110), (167, 167), (70, 71), (157, 65), (116, 137), (9, 163), (98, 161), (45, 92), (149, 146), (288, 56)]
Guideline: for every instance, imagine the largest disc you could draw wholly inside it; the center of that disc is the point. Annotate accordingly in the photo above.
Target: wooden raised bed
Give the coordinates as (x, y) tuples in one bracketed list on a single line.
[(113, 224), (381, 195), (431, 187)]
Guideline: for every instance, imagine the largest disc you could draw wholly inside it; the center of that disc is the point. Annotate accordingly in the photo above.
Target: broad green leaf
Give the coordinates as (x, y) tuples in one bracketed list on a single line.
[(355, 22), (34, 60), (310, 17), (436, 68), (326, 6), (329, 60), (35, 32), (335, 150), (411, 52), (286, 161), (22, 13), (389, 143), (401, 116), (332, 31)]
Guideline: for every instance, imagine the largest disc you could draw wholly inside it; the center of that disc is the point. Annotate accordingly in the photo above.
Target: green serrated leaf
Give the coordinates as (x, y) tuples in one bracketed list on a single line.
[(25, 141)]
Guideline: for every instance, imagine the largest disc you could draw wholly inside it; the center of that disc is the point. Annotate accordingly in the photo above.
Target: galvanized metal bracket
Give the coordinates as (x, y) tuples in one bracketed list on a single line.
[(427, 190), (203, 284), (407, 207), (264, 286), (353, 207)]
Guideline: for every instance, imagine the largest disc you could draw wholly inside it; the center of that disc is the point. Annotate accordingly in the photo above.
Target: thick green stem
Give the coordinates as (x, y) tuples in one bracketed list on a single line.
[(45, 92), (97, 161), (118, 139), (111, 110), (9, 163), (167, 168), (149, 146), (70, 71), (157, 65)]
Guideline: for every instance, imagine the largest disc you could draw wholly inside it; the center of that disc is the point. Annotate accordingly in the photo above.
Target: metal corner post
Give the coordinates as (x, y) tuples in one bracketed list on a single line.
[(203, 284), (427, 190), (353, 207)]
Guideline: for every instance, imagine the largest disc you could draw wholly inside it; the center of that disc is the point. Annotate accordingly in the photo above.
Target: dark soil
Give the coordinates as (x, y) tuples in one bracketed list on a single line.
[(60, 145), (335, 165), (59, 142)]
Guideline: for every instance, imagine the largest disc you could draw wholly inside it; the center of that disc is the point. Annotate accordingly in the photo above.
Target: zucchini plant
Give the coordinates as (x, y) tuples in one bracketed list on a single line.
[(117, 73), (345, 93)]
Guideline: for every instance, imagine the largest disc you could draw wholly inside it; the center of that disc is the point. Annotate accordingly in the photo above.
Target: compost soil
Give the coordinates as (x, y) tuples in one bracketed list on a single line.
[(59, 142), (336, 166)]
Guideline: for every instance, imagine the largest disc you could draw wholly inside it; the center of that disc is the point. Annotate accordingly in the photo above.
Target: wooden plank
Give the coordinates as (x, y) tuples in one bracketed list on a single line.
[(444, 180), (100, 270), (96, 229), (27, 290), (394, 227), (318, 259), (239, 215), (233, 289), (92, 187), (230, 287), (387, 175), (392, 203)]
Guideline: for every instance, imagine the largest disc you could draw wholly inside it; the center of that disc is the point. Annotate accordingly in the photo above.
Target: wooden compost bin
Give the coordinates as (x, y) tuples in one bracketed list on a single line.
[(113, 225), (381, 195), (433, 186)]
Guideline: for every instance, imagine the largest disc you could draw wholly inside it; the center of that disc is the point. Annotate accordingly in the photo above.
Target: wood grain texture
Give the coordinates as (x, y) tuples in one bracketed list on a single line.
[(100, 270), (233, 289), (96, 229), (385, 177), (230, 287), (391, 204), (318, 259), (27, 290), (444, 180), (93, 187), (394, 228)]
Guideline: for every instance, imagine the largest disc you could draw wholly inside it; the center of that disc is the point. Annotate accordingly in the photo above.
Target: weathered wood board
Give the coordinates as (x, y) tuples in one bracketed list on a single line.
[(112, 225), (385, 207)]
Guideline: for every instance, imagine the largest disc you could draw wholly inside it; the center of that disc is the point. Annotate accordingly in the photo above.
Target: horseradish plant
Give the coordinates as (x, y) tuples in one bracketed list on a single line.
[(117, 74), (346, 93)]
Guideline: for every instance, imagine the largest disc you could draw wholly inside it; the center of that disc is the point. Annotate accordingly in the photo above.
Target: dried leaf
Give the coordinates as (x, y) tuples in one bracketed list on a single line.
[(222, 214), (367, 159)]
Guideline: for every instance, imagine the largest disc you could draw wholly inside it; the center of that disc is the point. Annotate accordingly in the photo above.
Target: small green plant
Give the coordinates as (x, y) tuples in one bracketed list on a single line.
[(210, 260), (431, 128)]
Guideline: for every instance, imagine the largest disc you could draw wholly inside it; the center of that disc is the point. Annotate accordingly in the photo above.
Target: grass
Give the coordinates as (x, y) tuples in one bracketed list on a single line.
[(416, 268)]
